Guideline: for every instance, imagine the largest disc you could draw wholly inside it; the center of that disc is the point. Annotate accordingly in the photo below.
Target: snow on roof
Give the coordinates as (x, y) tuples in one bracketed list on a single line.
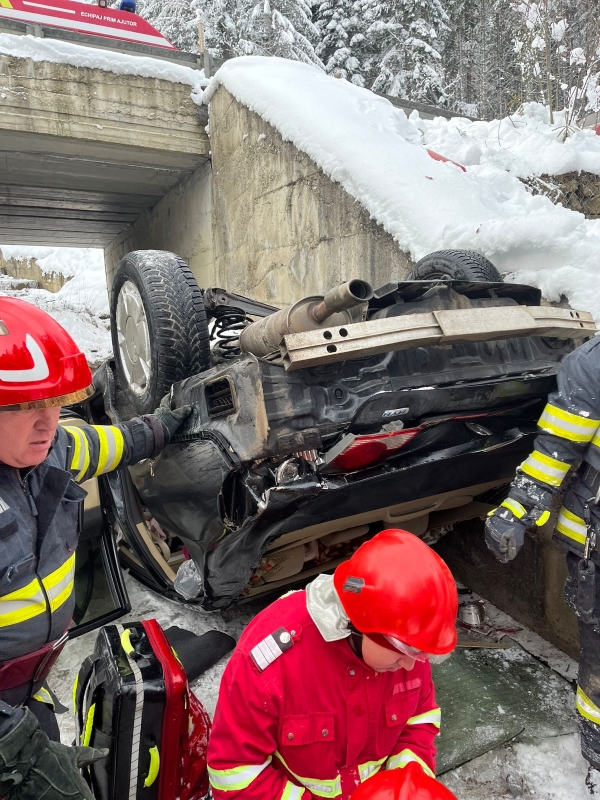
[(376, 153), (78, 55)]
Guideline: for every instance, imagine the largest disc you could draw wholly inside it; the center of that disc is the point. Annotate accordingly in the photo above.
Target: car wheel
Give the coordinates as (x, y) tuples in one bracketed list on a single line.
[(457, 265), (158, 324)]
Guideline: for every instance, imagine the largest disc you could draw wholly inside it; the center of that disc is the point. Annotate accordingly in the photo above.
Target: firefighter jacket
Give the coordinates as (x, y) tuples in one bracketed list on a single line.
[(569, 431), (301, 717), (39, 512)]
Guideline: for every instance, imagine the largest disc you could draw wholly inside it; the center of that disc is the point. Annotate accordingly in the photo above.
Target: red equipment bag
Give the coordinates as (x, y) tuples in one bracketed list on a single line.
[(132, 696)]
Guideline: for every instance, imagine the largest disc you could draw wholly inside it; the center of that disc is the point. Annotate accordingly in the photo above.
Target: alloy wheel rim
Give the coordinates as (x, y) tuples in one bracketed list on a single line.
[(133, 337)]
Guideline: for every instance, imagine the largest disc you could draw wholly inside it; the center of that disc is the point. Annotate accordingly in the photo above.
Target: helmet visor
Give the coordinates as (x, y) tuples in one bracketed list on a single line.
[(391, 643)]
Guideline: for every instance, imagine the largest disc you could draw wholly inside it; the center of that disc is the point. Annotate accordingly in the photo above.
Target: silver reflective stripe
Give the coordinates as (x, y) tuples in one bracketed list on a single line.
[(137, 722), (572, 526)]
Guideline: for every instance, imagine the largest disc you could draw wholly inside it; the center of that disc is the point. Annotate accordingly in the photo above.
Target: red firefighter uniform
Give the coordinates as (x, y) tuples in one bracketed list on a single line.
[(301, 717)]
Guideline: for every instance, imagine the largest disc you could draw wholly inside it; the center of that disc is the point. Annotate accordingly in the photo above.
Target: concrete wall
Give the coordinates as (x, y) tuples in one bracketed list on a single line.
[(281, 228), (530, 588), (180, 222)]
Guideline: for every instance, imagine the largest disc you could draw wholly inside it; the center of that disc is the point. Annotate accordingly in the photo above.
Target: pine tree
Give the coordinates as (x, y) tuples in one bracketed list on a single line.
[(342, 36), (407, 37), (283, 28), (175, 19)]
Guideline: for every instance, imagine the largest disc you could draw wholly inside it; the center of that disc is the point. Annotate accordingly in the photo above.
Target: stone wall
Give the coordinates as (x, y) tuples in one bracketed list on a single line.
[(579, 191), (28, 269), (281, 228)]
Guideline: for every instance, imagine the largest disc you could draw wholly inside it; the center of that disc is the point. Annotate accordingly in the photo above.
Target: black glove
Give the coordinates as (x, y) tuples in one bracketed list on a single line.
[(171, 420), (32, 767), (505, 531)]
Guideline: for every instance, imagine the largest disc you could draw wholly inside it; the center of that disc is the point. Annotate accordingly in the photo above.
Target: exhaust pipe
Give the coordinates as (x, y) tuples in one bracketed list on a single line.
[(264, 336)]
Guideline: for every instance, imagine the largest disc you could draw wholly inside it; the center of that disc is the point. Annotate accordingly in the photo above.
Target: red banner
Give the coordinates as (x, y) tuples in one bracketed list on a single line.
[(83, 18)]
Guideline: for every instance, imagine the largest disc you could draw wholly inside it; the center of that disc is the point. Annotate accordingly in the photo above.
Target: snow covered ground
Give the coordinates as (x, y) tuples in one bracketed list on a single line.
[(81, 306)]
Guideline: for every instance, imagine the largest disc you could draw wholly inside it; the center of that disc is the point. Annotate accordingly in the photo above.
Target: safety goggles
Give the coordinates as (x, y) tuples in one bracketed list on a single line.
[(391, 643)]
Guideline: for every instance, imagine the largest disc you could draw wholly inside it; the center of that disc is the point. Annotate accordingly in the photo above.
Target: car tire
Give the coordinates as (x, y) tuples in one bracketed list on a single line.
[(458, 265), (158, 325)]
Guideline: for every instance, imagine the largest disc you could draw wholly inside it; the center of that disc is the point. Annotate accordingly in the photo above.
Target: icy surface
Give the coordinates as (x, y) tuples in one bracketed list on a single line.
[(428, 205), (81, 306), (77, 55)]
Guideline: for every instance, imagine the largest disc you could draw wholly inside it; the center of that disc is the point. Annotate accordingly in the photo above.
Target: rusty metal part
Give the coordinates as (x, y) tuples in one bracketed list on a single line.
[(339, 343), (347, 295), (264, 336)]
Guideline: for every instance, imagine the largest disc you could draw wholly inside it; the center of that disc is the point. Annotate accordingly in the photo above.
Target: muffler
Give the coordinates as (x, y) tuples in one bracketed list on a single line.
[(264, 336)]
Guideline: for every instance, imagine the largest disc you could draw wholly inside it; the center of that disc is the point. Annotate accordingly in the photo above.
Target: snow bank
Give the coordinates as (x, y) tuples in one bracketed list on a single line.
[(120, 63), (81, 306), (524, 144), (376, 153)]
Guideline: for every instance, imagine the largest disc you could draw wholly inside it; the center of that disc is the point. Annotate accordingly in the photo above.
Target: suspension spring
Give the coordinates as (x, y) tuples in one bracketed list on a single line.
[(225, 333)]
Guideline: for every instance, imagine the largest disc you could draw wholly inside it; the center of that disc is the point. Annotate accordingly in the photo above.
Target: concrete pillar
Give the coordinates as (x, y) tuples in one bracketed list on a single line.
[(181, 222)]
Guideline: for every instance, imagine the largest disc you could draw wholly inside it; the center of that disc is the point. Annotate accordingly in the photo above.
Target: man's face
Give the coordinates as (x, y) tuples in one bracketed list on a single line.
[(383, 660), (26, 436)]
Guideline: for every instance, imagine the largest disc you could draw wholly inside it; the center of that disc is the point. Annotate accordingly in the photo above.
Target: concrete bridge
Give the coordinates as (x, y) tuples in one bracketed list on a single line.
[(99, 159)]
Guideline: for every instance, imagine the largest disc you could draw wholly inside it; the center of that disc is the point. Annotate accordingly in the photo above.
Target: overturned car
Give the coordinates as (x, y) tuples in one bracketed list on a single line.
[(318, 425)]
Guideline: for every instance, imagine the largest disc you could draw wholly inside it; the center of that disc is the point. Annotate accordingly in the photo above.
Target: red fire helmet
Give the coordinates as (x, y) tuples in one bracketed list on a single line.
[(40, 365), (397, 586), (409, 783)]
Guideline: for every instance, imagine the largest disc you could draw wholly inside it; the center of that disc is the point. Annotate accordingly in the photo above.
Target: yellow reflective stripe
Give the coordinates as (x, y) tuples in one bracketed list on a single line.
[(569, 426), (22, 604), (433, 717), (89, 722), (517, 509), (318, 786), (236, 778), (59, 584), (369, 768), (75, 685), (571, 526), (544, 468), (5, 4), (44, 696), (542, 519), (81, 452), (154, 766), (291, 791), (111, 448), (596, 439), (404, 758), (586, 708)]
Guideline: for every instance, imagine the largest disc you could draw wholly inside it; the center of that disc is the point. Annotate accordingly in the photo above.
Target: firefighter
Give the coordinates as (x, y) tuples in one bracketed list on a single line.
[(329, 685), (410, 783), (42, 369), (569, 432)]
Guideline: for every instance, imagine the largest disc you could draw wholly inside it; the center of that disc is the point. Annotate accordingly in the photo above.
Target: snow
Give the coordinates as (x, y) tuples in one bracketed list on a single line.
[(77, 55), (81, 306), (428, 205)]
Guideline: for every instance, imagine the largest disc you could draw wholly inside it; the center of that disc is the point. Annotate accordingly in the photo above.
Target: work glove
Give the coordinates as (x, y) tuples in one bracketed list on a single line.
[(171, 419), (505, 528), (33, 767)]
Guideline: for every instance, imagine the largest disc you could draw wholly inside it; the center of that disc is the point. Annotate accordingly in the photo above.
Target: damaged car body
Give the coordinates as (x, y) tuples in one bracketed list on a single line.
[(318, 425)]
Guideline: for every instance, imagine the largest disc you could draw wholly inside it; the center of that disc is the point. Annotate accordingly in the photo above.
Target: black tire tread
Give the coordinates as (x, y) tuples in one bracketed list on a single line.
[(464, 265), (176, 318)]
